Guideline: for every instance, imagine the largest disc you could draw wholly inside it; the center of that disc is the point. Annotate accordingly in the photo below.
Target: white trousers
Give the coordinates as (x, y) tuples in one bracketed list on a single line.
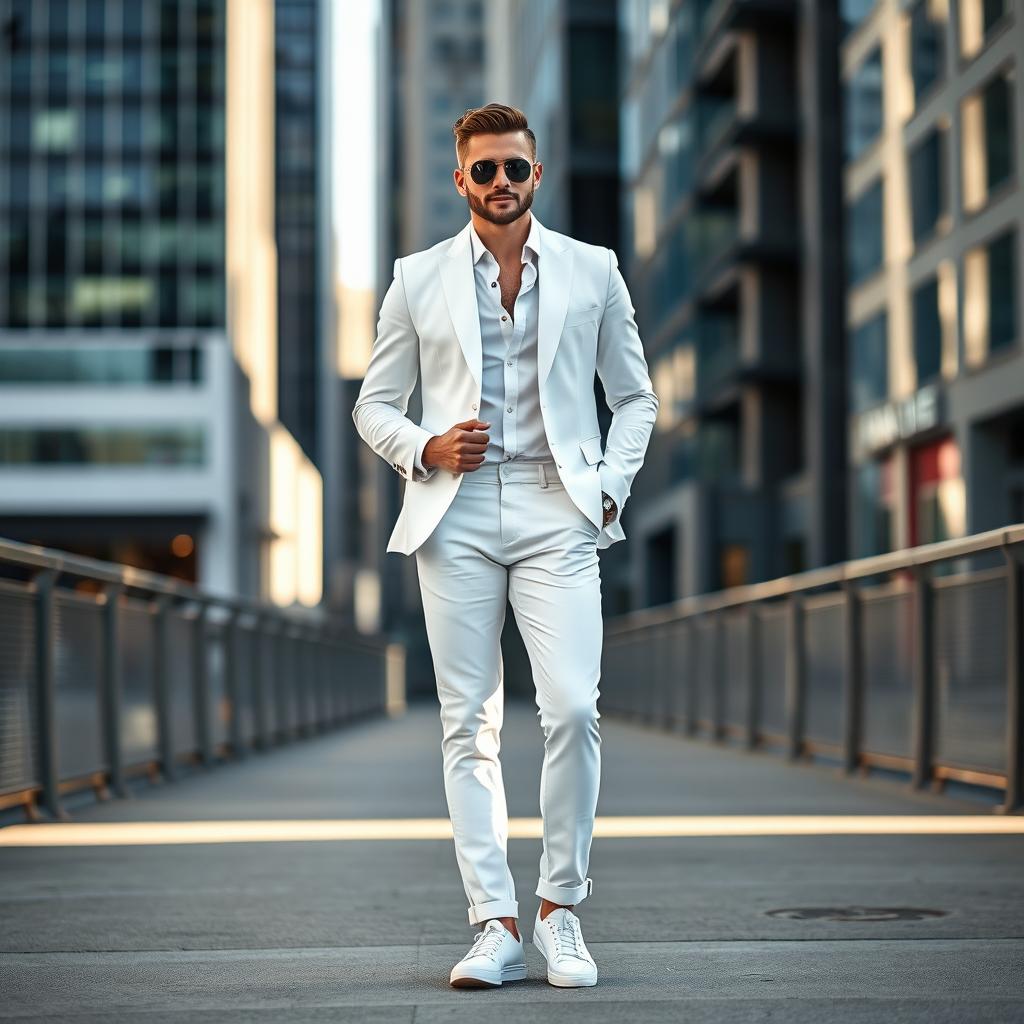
[(513, 534)]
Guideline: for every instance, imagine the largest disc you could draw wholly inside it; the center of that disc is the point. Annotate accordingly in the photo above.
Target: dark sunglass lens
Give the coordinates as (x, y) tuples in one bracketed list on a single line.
[(482, 171), (518, 170)]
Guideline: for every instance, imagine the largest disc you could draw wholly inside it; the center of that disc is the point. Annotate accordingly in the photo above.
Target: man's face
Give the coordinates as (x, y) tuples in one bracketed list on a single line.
[(499, 200)]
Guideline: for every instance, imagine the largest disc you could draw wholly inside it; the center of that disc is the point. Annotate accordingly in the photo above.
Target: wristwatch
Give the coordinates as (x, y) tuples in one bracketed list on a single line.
[(608, 504)]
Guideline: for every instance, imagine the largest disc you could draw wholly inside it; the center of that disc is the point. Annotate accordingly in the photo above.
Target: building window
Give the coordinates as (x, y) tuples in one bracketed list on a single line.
[(874, 504), (987, 140), (990, 298), (83, 364), (864, 105), (928, 184), (674, 375), (927, 46), (733, 565), (864, 234), (937, 499), (102, 446), (853, 12), (927, 331), (869, 363), (661, 566), (978, 20)]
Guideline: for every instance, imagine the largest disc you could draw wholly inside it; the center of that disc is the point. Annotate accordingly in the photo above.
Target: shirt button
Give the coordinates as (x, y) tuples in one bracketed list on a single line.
[(494, 284), (504, 318), (510, 362), (509, 408)]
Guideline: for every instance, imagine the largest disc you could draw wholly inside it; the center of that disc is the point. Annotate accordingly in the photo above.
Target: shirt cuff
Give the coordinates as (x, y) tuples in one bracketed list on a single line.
[(421, 471)]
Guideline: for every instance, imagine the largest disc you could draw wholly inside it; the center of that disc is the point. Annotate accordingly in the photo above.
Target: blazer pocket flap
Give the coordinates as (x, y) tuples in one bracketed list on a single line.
[(592, 449), (582, 315)]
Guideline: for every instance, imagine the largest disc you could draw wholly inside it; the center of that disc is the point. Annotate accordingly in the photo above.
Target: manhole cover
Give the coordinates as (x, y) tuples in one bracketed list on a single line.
[(855, 913)]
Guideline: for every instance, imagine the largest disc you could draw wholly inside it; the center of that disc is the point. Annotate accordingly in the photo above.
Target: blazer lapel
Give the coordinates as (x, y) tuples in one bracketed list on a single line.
[(459, 284), (555, 282)]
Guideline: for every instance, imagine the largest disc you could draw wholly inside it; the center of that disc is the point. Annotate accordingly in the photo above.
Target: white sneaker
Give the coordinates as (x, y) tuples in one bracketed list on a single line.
[(495, 956), (560, 941)]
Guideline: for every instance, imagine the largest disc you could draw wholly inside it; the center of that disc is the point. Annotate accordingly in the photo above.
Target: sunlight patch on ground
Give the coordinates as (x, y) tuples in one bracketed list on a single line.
[(158, 833)]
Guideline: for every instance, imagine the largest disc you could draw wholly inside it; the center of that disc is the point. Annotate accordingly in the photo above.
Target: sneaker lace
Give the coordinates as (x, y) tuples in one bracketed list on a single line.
[(569, 938), (486, 943)]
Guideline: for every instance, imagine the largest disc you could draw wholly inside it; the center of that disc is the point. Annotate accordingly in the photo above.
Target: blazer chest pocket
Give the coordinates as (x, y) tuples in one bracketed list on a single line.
[(592, 449), (582, 315)]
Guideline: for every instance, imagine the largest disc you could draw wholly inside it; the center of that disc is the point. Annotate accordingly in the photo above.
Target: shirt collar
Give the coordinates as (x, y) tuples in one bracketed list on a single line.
[(531, 246)]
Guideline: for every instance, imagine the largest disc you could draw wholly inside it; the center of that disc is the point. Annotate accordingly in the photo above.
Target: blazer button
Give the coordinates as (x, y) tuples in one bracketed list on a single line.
[(474, 405)]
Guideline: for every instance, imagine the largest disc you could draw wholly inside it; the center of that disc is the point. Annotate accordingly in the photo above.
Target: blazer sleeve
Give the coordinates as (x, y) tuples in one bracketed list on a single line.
[(379, 412), (629, 393)]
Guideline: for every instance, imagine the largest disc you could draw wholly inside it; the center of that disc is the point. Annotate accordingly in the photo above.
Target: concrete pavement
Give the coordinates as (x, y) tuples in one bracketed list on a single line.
[(367, 930)]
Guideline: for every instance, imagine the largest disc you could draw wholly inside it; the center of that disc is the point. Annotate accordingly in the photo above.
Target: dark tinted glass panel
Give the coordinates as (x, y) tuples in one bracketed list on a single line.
[(869, 363), (853, 12), (864, 105), (1002, 293), (113, 446), (593, 112), (927, 331), (991, 12), (927, 42), (864, 234), (998, 131), (928, 184)]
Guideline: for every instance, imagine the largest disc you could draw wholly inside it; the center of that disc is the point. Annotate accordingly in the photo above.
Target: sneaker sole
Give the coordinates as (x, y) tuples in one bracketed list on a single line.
[(563, 980), (513, 973)]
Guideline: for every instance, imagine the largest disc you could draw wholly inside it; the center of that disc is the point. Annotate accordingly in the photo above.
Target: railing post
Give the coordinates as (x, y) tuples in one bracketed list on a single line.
[(233, 684), (111, 687), (922, 735), (200, 687), (259, 676), (1014, 799), (692, 684), (47, 765), (718, 678), (324, 679), (279, 640), (340, 682), (309, 682), (753, 676), (853, 689), (795, 675), (316, 672), (162, 686)]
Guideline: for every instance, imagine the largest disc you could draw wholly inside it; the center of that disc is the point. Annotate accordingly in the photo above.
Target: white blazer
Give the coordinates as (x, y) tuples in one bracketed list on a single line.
[(429, 326)]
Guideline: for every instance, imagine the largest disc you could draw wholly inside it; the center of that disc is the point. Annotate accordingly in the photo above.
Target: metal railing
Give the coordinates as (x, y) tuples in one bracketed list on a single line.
[(131, 673), (877, 663)]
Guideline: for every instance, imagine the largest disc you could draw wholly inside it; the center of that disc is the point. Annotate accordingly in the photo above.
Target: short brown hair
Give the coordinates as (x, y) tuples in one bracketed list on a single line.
[(492, 119)]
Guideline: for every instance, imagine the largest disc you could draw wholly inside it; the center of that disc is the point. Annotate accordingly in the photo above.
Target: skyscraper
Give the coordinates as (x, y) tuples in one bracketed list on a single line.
[(138, 364)]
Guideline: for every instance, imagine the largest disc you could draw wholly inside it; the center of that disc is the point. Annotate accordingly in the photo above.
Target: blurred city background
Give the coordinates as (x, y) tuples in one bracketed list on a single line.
[(812, 685), (816, 205)]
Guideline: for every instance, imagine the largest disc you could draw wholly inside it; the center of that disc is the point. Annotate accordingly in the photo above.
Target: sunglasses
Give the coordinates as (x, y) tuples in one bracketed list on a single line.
[(517, 169)]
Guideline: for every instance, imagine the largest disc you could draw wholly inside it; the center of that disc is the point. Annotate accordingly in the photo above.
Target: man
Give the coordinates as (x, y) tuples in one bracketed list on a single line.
[(507, 323)]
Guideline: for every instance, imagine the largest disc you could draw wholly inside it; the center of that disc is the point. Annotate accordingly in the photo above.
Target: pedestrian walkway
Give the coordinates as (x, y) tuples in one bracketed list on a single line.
[(185, 918)]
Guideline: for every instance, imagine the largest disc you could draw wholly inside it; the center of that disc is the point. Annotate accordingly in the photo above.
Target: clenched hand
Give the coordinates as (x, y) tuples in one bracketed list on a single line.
[(460, 449)]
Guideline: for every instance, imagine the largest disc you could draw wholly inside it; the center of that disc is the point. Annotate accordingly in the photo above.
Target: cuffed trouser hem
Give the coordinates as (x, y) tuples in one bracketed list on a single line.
[(496, 908), (566, 896)]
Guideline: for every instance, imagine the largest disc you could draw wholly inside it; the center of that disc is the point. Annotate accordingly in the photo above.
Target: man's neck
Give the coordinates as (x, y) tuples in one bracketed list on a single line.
[(505, 241)]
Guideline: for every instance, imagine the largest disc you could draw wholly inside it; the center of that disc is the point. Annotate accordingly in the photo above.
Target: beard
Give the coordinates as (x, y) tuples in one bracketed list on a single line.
[(501, 213)]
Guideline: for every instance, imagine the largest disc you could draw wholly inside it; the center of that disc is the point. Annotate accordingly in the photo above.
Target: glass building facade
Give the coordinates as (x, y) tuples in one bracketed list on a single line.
[(934, 276), (112, 164), (297, 110), (133, 408), (729, 214)]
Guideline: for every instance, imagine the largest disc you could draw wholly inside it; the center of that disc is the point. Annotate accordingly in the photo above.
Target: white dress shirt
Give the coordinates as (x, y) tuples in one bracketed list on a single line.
[(509, 396)]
